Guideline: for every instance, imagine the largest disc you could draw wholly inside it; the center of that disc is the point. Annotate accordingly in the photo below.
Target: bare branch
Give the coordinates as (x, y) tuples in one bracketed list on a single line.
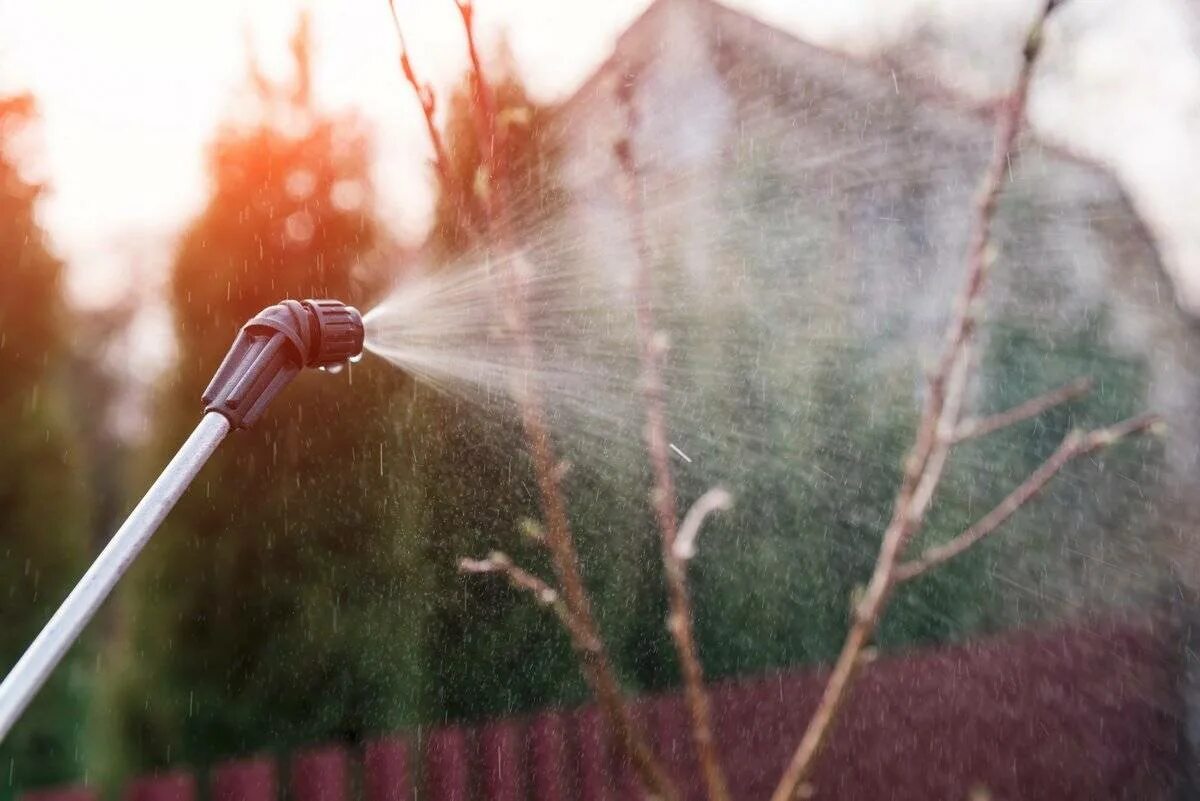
[(716, 499), (500, 562), (652, 350), (977, 427), (585, 636), (1072, 447), (427, 99), (936, 431), (575, 606), (521, 579), (488, 131), (917, 502)]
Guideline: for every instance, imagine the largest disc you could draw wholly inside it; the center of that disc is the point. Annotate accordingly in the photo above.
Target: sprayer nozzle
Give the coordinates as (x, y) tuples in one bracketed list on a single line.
[(273, 347), (339, 332)]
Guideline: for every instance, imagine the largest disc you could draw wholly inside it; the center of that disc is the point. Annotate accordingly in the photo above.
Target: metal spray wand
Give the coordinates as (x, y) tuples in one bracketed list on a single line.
[(268, 353)]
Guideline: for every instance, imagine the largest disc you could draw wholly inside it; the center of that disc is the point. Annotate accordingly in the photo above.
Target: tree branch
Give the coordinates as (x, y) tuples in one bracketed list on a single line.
[(521, 579), (1073, 446), (428, 101), (936, 431), (977, 427), (716, 499), (652, 348), (488, 131), (596, 666)]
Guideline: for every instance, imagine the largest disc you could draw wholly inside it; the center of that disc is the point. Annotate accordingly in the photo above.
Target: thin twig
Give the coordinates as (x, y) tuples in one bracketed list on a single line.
[(428, 101), (977, 427), (488, 131), (585, 636), (521, 579), (500, 562), (716, 499), (1073, 446), (936, 431), (652, 347)]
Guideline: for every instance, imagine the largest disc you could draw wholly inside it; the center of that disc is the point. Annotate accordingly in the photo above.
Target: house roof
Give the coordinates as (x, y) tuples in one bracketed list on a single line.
[(791, 53), (799, 53)]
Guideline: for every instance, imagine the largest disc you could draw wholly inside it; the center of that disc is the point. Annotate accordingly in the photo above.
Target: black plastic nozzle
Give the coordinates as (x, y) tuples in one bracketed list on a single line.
[(273, 347)]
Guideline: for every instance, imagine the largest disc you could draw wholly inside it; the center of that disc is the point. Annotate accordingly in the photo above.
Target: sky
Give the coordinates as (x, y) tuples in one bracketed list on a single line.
[(131, 91)]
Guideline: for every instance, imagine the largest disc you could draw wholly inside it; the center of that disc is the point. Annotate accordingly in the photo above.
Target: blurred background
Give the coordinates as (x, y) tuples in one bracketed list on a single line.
[(166, 171)]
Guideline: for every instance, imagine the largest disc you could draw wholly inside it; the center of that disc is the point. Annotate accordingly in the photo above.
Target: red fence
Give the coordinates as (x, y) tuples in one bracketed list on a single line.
[(1081, 713)]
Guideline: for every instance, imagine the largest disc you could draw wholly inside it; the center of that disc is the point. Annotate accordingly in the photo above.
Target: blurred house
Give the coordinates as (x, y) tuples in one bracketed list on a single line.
[(833, 197), (763, 154)]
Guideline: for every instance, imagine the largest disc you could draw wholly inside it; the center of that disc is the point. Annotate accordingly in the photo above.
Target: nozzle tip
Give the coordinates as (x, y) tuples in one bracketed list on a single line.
[(338, 330), (274, 346)]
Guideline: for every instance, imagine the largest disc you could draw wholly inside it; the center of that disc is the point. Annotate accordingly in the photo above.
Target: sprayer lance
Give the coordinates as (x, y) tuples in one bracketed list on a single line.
[(273, 347), (270, 350)]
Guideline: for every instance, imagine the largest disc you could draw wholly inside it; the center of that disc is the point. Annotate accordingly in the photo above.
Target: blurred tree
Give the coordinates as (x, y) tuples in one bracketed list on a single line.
[(277, 606), (526, 150), (43, 518)]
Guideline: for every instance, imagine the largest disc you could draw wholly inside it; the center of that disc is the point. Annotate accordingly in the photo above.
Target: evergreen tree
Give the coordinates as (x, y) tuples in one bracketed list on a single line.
[(497, 653), (526, 149), (43, 519), (276, 606)]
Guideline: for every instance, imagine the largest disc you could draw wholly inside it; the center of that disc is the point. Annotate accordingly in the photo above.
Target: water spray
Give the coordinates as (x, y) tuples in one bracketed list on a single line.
[(270, 350)]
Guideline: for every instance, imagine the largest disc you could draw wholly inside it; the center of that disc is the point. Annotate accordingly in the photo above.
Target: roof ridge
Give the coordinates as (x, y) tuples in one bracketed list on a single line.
[(918, 87)]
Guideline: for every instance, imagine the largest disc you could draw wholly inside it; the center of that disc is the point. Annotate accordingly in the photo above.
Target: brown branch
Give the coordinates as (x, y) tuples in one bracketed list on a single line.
[(652, 348), (558, 538), (1073, 446), (589, 646), (585, 635), (716, 499), (940, 420), (487, 129), (428, 101), (977, 427), (521, 579)]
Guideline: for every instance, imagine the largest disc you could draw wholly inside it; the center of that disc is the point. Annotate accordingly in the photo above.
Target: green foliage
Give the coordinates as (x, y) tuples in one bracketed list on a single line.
[(43, 514), (491, 650), (525, 152), (280, 603)]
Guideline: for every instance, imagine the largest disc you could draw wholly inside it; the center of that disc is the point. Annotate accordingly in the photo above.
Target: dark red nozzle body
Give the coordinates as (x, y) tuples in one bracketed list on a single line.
[(273, 347)]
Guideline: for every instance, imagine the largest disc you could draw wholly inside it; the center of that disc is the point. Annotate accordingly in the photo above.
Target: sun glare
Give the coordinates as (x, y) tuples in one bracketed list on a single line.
[(131, 91)]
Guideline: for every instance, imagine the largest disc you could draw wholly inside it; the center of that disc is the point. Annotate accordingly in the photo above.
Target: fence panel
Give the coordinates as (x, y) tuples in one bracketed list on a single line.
[(672, 736), (245, 780), (387, 771), (548, 758), (628, 784), (595, 755), (501, 746), (320, 775), (174, 786), (447, 765)]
